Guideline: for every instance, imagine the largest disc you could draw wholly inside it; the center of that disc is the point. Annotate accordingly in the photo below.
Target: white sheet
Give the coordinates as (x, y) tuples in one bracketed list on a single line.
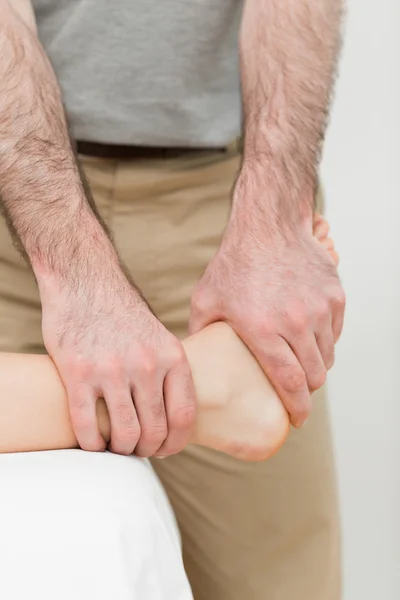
[(82, 526)]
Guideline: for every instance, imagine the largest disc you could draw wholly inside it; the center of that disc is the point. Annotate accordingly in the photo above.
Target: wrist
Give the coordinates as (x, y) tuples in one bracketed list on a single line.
[(265, 195), (76, 249)]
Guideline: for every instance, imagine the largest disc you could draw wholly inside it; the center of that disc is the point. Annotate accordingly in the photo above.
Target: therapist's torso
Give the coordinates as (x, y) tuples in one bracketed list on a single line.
[(146, 72)]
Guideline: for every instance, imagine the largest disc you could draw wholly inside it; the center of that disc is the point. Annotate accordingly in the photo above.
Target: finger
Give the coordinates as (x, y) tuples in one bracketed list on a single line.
[(180, 404), (287, 376), (321, 229), (82, 404), (326, 344), (149, 402), (335, 258), (309, 356), (327, 243), (338, 303), (317, 217), (124, 422)]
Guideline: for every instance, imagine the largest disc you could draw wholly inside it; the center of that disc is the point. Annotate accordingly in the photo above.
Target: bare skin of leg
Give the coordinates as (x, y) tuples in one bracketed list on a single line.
[(239, 411)]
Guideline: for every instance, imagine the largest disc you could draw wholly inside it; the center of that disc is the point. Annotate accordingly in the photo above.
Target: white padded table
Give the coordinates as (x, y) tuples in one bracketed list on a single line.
[(83, 526)]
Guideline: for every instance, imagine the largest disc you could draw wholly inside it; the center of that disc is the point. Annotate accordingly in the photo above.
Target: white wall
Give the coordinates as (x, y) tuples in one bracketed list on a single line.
[(360, 171)]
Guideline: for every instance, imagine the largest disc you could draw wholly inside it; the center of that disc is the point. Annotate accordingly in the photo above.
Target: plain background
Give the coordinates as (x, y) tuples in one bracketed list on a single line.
[(360, 173)]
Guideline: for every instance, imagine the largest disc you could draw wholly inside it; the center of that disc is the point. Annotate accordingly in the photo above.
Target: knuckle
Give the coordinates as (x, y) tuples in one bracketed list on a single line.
[(177, 355), (293, 378), (82, 367), (183, 418), (129, 432), (155, 433), (196, 299), (195, 303), (298, 321), (200, 303), (148, 365), (321, 310), (259, 328), (78, 406), (339, 298), (112, 369), (125, 414)]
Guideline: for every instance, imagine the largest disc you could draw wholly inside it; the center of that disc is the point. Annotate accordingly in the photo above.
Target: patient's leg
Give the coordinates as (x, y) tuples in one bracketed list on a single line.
[(239, 412)]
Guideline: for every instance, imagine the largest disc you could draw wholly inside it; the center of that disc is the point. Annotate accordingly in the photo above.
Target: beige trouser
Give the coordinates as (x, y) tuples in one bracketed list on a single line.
[(265, 531)]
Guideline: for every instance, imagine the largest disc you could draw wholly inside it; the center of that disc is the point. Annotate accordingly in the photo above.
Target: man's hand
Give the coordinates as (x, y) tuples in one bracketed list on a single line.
[(98, 330), (106, 343), (271, 280), (279, 290)]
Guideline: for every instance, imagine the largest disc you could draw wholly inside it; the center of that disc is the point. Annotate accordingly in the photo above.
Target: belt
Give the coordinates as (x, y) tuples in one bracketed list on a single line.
[(125, 152)]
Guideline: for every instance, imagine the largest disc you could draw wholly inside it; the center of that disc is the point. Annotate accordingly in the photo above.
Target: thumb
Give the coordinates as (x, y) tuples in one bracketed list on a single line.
[(197, 321), (199, 316)]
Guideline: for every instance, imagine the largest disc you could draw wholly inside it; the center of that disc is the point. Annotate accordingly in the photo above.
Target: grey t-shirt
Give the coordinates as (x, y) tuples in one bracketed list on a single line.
[(146, 72)]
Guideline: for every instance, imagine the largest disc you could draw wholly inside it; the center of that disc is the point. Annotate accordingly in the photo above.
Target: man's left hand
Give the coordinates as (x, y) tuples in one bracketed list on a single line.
[(281, 293)]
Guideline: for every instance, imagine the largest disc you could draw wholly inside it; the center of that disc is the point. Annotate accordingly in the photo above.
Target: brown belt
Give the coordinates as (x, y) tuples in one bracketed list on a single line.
[(122, 152)]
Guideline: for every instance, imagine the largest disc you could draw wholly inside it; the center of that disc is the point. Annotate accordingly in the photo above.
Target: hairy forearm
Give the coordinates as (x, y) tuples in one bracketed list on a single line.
[(288, 51), (24, 9), (44, 199)]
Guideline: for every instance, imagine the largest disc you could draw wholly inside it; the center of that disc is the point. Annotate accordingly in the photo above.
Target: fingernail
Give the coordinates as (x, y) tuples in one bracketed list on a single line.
[(160, 457), (300, 424)]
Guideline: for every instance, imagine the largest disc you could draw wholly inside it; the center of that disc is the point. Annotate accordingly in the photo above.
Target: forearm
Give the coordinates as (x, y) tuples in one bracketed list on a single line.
[(48, 209), (25, 10), (288, 52), (34, 413), (33, 406)]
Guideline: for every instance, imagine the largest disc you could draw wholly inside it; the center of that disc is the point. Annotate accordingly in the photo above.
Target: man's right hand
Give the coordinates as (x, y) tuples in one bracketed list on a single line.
[(100, 333), (106, 343)]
